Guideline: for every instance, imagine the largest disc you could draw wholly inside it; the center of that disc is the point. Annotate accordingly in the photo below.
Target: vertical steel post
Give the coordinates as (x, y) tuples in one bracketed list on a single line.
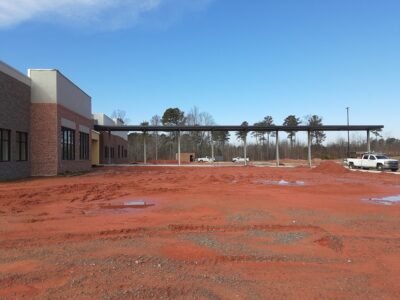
[(144, 148), (245, 149), (348, 132), (277, 148), (179, 148), (309, 149), (109, 148), (368, 141), (212, 147)]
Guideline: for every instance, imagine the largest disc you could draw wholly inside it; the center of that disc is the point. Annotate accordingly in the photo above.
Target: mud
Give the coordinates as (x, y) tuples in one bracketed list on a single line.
[(206, 233)]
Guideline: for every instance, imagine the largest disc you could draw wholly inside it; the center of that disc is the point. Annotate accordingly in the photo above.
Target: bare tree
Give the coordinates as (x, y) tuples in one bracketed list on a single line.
[(120, 115)]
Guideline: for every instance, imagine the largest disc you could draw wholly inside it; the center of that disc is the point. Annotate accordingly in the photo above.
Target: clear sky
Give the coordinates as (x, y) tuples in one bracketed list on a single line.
[(238, 60)]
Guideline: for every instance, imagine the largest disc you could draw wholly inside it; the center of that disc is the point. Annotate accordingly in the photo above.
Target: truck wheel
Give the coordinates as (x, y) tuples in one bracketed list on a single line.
[(351, 165), (379, 167), (394, 170)]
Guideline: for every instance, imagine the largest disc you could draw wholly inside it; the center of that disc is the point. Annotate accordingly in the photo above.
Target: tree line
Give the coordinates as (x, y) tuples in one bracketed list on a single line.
[(163, 146)]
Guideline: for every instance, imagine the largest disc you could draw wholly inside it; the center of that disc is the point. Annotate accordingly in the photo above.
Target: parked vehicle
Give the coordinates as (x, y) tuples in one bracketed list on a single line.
[(373, 161), (239, 159), (205, 159)]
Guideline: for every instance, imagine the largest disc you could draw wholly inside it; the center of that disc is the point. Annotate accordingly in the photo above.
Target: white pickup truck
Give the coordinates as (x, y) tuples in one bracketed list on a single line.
[(373, 161), (206, 159)]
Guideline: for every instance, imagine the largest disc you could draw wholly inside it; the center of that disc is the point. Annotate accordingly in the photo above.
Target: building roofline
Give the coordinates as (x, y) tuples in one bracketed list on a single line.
[(60, 73), (14, 73)]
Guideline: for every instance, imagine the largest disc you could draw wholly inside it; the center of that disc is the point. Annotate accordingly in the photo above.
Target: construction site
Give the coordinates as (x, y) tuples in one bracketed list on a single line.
[(199, 149)]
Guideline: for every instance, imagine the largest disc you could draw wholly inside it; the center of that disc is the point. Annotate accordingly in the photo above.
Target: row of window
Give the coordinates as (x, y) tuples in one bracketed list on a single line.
[(110, 152), (5, 145), (68, 144)]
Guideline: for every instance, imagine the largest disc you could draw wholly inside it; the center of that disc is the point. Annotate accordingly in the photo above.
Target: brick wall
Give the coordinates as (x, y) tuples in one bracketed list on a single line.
[(44, 139), (77, 164), (14, 115), (112, 141)]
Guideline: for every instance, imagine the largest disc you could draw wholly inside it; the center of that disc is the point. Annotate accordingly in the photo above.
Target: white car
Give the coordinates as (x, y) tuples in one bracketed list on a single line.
[(240, 159), (373, 161), (206, 159)]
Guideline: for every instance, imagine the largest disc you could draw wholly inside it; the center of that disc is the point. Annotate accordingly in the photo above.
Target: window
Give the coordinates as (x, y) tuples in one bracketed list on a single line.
[(5, 144), (112, 152), (83, 146), (22, 146), (119, 151), (126, 153), (371, 157), (365, 157), (68, 143), (105, 152)]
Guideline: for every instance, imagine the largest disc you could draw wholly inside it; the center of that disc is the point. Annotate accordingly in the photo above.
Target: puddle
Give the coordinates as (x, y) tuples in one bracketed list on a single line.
[(390, 200), (129, 204), (282, 182)]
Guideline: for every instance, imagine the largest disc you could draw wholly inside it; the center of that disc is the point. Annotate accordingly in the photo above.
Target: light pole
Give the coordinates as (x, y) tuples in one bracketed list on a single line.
[(348, 132)]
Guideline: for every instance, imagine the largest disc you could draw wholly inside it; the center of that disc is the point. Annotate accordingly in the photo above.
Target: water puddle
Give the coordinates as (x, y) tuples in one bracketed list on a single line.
[(282, 182), (390, 200), (134, 204)]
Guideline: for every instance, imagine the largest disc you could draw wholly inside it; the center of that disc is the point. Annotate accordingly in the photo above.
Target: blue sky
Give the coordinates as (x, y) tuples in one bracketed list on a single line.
[(238, 60)]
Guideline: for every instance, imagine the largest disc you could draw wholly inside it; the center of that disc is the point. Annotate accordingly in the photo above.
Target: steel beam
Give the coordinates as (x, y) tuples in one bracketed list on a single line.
[(140, 128), (368, 142)]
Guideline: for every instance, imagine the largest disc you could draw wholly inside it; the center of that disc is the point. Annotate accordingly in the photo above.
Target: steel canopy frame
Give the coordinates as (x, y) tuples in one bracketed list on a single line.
[(211, 128), (237, 128)]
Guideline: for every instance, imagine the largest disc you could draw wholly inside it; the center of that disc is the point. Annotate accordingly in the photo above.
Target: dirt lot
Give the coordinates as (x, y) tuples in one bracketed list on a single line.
[(213, 233)]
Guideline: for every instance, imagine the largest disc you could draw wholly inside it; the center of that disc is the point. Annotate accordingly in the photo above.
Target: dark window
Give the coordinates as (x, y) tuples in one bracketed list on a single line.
[(122, 152), (68, 143), (105, 152), (126, 153), (22, 146), (112, 152), (365, 157), (5, 144), (119, 151), (83, 146), (372, 157)]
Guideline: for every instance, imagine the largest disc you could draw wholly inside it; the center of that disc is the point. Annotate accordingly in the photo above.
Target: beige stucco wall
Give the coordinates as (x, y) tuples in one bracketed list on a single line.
[(51, 86), (95, 148), (103, 119)]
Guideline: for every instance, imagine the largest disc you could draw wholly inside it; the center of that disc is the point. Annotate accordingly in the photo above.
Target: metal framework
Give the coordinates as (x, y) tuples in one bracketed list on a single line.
[(213, 128)]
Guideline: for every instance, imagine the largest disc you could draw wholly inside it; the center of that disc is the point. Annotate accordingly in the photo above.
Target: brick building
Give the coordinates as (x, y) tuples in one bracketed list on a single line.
[(113, 146), (46, 126), (61, 124), (15, 102)]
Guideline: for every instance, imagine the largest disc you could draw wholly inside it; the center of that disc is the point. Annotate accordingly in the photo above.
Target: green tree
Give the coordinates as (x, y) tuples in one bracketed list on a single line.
[(291, 121), (242, 134), (173, 116), (317, 136)]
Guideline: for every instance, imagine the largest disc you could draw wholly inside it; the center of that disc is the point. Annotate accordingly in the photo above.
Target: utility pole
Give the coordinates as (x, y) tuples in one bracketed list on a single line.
[(348, 132)]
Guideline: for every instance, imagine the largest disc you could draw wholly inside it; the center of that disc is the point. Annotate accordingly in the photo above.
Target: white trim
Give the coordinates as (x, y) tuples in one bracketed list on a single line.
[(14, 73)]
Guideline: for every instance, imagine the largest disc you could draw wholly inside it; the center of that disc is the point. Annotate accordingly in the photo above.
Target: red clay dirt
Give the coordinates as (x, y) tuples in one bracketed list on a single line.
[(213, 233)]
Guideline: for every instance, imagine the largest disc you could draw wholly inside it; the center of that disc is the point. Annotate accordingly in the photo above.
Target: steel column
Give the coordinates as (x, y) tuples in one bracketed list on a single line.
[(277, 147), (368, 142), (309, 149), (179, 148), (212, 147), (245, 149), (144, 149), (109, 148)]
